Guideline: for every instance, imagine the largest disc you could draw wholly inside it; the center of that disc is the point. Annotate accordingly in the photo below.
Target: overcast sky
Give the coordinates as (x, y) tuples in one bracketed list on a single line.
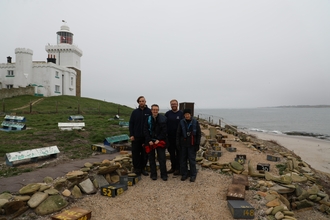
[(215, 53)]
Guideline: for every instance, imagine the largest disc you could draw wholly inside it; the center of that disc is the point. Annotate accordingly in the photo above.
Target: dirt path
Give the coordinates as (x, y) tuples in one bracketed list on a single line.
[(33, 103)]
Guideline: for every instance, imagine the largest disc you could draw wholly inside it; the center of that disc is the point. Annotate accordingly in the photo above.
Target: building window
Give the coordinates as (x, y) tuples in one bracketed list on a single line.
[(9, 86), (10, 73), (56, 74), (71, 81), (57, 89)]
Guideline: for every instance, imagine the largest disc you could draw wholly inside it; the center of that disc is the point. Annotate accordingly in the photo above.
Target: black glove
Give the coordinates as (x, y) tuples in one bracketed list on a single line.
[(196, 148)]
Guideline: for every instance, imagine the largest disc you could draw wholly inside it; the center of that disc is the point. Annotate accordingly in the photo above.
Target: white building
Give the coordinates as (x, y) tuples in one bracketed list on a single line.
[(59, 75)]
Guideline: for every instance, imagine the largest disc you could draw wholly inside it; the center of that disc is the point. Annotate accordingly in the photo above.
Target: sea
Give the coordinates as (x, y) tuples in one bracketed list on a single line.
[(304, 121)]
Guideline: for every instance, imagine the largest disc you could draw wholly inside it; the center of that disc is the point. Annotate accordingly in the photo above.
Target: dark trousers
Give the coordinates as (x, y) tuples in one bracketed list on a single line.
[(188, 153), (139, 155), (174, 154), (161, 157)]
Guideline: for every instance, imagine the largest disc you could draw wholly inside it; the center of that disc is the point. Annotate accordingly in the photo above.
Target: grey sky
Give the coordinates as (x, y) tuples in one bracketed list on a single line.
[(218, 54)]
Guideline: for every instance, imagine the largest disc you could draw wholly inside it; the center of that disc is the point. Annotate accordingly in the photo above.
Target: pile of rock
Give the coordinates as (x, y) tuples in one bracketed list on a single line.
[(52, 195), (295, 189)]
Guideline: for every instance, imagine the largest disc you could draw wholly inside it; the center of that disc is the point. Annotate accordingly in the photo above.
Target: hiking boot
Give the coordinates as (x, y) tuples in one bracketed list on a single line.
[(170, 171), (192, 179), (145, 173), (183, 178), (153, 177)]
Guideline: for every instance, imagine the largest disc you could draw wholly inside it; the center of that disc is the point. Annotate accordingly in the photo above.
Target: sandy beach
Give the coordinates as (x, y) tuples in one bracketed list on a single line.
[(315, 152)]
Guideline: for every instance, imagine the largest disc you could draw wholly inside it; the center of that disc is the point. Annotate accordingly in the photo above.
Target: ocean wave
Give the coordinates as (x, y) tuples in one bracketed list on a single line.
[(294, 133), (308, 134)]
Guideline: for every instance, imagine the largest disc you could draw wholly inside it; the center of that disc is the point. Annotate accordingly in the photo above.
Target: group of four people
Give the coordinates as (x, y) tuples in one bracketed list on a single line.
[(151, 133)]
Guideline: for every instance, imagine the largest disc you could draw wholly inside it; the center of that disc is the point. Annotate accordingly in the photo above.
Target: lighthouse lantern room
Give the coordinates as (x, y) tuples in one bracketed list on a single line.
[(64, 36)]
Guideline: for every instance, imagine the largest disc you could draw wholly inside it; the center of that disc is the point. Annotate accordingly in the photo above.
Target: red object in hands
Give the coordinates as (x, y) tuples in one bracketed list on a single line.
[(149, 148)]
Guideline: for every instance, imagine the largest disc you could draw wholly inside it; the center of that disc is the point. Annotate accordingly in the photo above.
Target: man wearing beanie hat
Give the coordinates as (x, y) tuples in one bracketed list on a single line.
[(188, 139)]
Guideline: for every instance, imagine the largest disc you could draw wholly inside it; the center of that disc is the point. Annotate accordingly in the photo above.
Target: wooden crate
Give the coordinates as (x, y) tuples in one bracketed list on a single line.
[(273, 158), (113, 190), (236, 192), (241, 209), (263, 167), (73, 214)]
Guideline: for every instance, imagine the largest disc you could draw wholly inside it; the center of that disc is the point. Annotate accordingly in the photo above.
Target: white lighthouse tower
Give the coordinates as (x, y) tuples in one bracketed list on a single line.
[(66, 54)]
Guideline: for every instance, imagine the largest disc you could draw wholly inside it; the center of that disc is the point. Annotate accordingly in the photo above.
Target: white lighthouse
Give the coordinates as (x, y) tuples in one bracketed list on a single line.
[(66, 54), (59, 75)]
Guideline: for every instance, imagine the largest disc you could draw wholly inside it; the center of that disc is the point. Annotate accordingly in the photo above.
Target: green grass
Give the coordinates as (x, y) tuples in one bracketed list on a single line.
[(42, 125)]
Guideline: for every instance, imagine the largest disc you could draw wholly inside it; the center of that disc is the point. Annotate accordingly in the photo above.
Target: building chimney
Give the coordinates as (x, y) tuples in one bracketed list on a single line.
[(9, 59), (54, 60), (49, 59)]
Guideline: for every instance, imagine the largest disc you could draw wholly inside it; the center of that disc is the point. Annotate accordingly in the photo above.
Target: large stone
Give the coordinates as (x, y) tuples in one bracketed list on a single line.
[(304, 195), (285, 179), (313, 190), (43, 187), (114, 178), (322, 194), (52, 204), (285, 201), (101, 180), (312, 197), (88, 165), (299, 190), (22, 198), (3, 202), (107, 169), (277, 209), (66, 193), (51, 191), (20, 211), (87, 186), (305, 169), (13, 206), (288, 213), (269, 211), (270, 197), (304, 204), (279, 215), (298, 179), (60, 184), (6, 196), (85, 169), (48, 179), (282, 189), (36, 199), (76, 192), (29, 189), (237, 166), (273, 203)]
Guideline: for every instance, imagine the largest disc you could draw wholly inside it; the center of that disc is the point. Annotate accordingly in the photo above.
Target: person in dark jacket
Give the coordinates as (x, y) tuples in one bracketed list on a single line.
[(136, 125), (174, 116), (155, 140), (188, 139)]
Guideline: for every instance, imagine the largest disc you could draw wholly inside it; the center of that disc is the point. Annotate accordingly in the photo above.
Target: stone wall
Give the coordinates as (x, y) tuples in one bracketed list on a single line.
[(8, 93)]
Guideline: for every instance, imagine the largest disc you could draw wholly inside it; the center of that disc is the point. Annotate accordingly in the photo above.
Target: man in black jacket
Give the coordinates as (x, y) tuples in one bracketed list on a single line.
[(136, 125), (155, 140)]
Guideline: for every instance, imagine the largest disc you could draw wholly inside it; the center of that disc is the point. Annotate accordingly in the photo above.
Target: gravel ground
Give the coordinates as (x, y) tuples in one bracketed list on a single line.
[(176, 199)]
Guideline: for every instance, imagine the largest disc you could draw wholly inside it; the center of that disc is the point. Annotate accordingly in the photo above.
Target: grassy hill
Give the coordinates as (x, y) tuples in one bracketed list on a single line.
[(42, 117)]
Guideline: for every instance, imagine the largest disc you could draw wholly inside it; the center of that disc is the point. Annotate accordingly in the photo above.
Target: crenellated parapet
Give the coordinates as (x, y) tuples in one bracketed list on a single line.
[(63, 49), (24, 51)]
